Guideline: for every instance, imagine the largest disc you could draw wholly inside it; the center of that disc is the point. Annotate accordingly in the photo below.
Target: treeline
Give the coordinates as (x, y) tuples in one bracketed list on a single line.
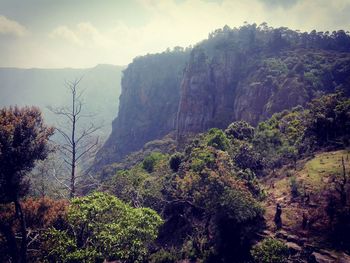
[(256, 38)]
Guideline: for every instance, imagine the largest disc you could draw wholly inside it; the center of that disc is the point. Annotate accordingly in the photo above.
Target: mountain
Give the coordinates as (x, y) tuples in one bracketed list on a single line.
[(148, 104), (245, 73), (46, 87)]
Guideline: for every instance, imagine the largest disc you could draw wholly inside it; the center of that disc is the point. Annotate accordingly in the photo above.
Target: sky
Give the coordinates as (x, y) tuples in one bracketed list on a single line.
[(84, 33)]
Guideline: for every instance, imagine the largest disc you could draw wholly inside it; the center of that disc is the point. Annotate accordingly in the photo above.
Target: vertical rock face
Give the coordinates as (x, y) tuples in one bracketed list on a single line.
[(245, 73), (148, 104), (227, 86), (207, 92)]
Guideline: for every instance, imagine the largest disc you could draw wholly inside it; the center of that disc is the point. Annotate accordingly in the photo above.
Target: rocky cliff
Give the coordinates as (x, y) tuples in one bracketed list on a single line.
[(148, 104), (244, 73), (250, 74)]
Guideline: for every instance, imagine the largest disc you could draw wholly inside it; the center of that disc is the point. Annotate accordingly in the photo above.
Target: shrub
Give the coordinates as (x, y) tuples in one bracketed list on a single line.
[(103, 227), (175, 161), (240, 130), (163, 256), (270, 250), (294, 187), (217, 139), (150, 161)]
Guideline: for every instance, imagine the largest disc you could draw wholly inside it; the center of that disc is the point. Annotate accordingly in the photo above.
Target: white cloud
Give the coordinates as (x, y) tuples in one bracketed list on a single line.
[(12, 27), (66, 34), (171, 23), (83, 35)]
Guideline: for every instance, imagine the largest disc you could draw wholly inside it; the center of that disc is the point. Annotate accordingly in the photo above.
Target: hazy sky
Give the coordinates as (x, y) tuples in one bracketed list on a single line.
[(83, 33)]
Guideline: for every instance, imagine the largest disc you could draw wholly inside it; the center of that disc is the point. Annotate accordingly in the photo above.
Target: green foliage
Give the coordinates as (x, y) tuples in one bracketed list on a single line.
[(151, 160), (277, 66), (240, 130), (217, 139), (329, 120), (279, 139), (270, 251), (240, 205), (294, 187), (214, 196), (245, 156), (163, 256), (103, 227), (138, 186), (60, 246), (200, 158), (175, 161)]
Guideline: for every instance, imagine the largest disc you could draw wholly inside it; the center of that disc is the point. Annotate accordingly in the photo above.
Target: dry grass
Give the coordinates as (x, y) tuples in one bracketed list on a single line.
[(313, 181)]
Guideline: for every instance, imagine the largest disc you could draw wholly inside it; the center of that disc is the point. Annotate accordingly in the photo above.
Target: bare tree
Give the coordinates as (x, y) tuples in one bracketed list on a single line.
[(78, 138)]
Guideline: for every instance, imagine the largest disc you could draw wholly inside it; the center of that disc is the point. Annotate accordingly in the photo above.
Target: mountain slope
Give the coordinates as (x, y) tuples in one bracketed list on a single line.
[(148, 104), (245, 73), (251, 73)]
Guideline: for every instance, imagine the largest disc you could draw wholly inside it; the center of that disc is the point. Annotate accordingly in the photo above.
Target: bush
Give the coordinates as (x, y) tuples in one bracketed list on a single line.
[(294, 187), (270, 250), (175, 161), (103, 227), (163, 256), (150, 161), (240, 130), (217, 139)]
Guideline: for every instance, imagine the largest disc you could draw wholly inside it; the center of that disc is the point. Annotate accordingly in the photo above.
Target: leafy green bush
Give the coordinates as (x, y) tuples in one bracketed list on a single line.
[(270, 250), (163, 256), (103, 227), (240, 130), (175, 161), (150, 161), (217, 139)]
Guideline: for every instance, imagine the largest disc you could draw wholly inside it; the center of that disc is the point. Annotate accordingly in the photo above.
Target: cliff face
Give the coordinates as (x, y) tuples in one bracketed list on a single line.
[(148, 104), (236, 74), (207, 92), (218, 90)]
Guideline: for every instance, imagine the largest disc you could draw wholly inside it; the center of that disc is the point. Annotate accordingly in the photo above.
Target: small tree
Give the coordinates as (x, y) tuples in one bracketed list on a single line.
[(23, 140), (78, 139)]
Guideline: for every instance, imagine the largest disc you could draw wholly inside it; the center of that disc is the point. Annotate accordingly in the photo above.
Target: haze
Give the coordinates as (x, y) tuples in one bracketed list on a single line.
[(79, 34)]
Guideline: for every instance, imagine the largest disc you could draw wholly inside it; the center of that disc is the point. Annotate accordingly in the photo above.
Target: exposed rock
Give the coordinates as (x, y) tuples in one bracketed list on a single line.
[(293, 248), (233, 75), (148, 104), (295, 239), (220, 88), (344, 258), (282, 234), (321, 258), (208, 92)]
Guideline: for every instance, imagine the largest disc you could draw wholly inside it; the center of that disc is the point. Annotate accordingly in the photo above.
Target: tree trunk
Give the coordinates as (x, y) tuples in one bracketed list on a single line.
[(12, 248), (21, 218)]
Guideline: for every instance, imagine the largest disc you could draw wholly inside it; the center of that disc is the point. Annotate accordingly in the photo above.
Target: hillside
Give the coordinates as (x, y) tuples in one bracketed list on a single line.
[(245, 73), (46, 87), (219, 194), (304, 194), (148, 104)]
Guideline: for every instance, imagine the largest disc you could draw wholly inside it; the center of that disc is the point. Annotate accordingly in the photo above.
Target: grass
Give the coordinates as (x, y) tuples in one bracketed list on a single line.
[(312, 178), (316, 172)]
